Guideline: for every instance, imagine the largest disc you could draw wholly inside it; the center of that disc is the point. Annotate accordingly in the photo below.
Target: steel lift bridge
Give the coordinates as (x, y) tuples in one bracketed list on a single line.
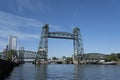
[(42, 53), (75, 36)]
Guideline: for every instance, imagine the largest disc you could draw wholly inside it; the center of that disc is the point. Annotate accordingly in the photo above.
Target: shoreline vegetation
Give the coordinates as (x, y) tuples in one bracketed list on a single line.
[(99, 56), (93, 58)]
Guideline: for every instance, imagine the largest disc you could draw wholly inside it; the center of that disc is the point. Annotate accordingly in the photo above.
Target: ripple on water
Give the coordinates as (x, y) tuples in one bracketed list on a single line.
[(65, 72)]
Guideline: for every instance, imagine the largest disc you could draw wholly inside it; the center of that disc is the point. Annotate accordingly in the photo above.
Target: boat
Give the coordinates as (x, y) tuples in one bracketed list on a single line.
[(109, 63)]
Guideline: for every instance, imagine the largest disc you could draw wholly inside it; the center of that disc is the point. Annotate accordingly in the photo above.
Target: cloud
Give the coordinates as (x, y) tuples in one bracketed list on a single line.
[(11, 25), (9, 21), (17, 21), (30, 5), (20, 35)]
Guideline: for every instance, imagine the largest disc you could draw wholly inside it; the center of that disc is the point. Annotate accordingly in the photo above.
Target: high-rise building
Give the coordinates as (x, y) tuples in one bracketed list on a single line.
[(12, 43)]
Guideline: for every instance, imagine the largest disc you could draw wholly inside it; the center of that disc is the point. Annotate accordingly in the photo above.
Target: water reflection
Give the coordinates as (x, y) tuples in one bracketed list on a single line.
[(65, 72), (79, 72), (60, 72), (41, 72), (17, 74)]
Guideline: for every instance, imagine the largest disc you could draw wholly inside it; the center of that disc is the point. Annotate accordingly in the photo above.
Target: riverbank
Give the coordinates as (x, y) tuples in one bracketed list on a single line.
[(6, 68)]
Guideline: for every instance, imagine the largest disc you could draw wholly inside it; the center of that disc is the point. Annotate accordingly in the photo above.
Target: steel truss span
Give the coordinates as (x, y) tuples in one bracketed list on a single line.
[(75, 36), (26, 54)]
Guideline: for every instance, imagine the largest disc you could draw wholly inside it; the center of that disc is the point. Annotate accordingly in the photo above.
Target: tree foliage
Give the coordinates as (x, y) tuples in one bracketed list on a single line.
[(118, 54), (68, 58), (94, 56), (112, 57), (54, 58), (10, 54), (63, 57)]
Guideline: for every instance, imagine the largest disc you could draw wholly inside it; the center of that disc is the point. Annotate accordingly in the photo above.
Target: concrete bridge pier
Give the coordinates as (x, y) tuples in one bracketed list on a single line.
[(42, 62), (37, 62)]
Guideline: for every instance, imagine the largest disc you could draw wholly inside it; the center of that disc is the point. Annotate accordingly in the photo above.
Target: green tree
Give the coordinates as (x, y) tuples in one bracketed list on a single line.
[(64, 57), (107, 57), (10, 54), (118, 55), (54, 58), (68, 58), (112, 57)]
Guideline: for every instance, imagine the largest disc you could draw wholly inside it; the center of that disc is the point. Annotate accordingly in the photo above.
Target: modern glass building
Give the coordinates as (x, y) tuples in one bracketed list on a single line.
[(12, 43)]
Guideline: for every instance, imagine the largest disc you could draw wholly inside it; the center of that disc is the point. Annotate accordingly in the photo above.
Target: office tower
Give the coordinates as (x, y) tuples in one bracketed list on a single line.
[(12, 43)]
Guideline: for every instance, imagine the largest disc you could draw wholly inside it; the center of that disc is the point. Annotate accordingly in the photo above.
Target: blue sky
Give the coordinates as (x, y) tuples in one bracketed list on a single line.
[(99, 21)]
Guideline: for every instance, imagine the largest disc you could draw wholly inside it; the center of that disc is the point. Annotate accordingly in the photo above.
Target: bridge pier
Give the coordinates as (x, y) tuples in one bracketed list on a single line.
[(42, 62), (37, 62), (75, 60)]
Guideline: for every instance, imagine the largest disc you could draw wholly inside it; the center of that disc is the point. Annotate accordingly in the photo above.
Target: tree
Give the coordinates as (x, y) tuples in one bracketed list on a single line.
[(112, 57), (118, 55), (11, 54), (54, 58), (108, 58), (64, 58), (68, 58)]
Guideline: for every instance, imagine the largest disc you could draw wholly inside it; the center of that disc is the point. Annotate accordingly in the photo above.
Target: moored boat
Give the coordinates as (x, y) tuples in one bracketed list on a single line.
[(109, 63)]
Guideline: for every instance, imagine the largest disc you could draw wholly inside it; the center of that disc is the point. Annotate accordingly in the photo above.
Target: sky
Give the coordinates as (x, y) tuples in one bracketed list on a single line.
[(98, 20)]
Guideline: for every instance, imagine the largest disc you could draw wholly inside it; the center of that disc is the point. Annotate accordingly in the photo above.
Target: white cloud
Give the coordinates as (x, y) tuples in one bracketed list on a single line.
[(30, 5), (10, 25), (9, 21), (22, 36), (17, 21)]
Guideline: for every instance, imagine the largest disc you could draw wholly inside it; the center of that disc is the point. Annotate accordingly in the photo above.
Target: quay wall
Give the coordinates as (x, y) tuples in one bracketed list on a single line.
[(6, 68)]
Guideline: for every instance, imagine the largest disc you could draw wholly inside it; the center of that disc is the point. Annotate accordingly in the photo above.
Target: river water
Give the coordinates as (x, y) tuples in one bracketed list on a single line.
[(65, 72)]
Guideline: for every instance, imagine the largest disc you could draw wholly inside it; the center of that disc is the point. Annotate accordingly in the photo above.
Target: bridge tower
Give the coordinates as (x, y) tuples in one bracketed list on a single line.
[(43, 44), (78, 46)]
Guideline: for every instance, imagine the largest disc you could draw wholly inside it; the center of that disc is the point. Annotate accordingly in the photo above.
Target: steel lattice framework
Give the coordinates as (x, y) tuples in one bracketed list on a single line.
[(75, 36), (26, 54)]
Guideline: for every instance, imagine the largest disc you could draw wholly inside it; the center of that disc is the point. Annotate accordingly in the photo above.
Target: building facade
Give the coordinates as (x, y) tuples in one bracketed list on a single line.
[(12, 43)]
